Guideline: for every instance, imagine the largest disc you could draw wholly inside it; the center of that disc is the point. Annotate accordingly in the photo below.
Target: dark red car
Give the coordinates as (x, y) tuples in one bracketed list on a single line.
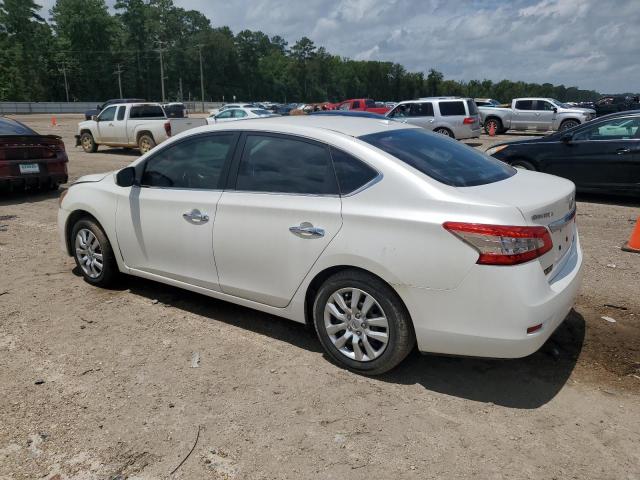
[(28, 159)]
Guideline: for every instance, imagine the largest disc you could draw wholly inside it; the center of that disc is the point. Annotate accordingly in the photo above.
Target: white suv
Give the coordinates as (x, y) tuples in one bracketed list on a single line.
[(451, 116)]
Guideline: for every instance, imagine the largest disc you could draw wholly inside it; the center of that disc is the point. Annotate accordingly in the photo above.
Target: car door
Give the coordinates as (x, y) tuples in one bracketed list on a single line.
[(523, 116), (545, 113), (165, 224), (600, 156), (421, 114), (280, 212), (106, 124), (239, 114)]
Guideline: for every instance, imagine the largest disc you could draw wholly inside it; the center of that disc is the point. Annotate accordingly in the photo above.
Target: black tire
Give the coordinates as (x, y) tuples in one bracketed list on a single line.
[(523, 164), (567, 124), (444, 131), (88, 143), (110, 271), (401, 337), (495, 121), (145, 143)]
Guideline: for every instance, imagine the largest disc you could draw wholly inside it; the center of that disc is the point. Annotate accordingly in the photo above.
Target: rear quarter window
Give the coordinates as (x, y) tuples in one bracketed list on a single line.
[(442, 159), (448, 109), (352, 174)]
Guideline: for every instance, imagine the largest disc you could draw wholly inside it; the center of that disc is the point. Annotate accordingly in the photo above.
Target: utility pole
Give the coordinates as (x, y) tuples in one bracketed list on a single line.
[(119, 72), (201, 77), (160, 49), (63, 69)]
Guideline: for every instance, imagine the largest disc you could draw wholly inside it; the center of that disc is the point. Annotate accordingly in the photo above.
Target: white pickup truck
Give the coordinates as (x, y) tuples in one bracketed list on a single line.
[(131, 125), (541, 114)]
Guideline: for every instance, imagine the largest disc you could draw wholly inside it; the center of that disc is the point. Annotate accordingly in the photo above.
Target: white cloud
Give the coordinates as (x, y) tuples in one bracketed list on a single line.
[(586, 43)]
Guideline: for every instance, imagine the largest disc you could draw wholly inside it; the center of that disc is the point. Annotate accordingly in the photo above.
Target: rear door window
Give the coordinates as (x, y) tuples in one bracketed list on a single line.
[(448, 162), (352, 173), (121, 111), (449, 109), (280, 164), (356, 104), (524, 105), (422, 109)]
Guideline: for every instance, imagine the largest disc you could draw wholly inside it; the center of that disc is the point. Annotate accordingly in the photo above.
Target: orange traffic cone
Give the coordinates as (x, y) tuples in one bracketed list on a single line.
[(633, 245), (54, 122), (492, 129)]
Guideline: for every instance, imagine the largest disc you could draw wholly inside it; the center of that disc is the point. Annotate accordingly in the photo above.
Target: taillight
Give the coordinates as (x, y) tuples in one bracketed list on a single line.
[(167, 128), (469, 120), (503, 245)]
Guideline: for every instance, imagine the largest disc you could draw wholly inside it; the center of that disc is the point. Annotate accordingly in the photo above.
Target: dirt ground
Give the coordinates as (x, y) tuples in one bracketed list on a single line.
[(115, 384)]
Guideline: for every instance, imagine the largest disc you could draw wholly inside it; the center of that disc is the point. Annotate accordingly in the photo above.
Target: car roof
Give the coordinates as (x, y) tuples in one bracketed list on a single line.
[(351, 126), (349, 113)]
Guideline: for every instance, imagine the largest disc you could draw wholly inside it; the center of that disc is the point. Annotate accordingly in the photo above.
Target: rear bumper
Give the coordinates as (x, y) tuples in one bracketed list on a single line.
[(488, 314), (464, 133), (32, 181)]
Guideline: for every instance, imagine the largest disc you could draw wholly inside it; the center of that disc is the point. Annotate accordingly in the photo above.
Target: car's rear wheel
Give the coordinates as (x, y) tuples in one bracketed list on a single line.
[(146, 143), (567, 124), (493, 124), (523, 165), (93, 253), (362, 323), (88, 143), (444, 131)]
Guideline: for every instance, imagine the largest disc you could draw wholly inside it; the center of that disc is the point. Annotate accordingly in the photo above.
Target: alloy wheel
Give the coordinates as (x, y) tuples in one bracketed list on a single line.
[(89, 253), (356, 324), (86, 142), (443, 131)]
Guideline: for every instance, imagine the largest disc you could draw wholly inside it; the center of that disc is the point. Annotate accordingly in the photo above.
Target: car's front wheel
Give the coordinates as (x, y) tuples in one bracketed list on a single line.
[(88, 143), (567, 124), (93, 253), (362, 323)]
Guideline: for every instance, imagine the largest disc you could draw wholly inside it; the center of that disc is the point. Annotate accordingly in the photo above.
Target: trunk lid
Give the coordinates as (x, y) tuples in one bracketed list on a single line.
[(542, 199)]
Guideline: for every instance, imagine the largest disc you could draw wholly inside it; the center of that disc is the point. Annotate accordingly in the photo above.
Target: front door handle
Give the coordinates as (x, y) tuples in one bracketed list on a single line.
[(196, 216), (307, 230), (623, 151)]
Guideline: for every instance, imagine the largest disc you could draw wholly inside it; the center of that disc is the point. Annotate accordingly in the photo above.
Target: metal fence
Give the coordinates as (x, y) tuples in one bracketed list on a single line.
[(81, 107)]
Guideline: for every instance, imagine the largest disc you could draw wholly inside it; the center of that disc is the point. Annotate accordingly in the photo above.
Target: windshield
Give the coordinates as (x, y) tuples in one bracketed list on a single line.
[(558, 103), (442, 159)]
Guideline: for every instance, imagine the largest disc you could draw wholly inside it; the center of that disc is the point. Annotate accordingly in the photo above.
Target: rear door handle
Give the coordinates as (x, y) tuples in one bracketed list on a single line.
[(623, 151), (307, 230), (195, 216)]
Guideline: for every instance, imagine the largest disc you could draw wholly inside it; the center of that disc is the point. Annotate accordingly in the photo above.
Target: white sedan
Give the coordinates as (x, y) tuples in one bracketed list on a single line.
[(381, 235), (232, 114)]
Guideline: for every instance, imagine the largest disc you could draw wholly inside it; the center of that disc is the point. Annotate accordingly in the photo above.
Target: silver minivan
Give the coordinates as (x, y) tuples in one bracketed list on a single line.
[(454, 117)]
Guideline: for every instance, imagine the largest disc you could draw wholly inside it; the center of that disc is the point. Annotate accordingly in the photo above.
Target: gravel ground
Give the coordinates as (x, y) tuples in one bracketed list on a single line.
[(114, 384)]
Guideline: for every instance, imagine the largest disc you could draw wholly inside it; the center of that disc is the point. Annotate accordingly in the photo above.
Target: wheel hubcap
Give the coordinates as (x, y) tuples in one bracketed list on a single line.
[(356, 324), (89, 253), (86, 142), (144, 147), (443, 132)]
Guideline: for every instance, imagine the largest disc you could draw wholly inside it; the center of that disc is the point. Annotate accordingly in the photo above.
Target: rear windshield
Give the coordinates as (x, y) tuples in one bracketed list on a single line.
[(471, 105), (442, 159), (12, 127), (147, 111), (448, 109)]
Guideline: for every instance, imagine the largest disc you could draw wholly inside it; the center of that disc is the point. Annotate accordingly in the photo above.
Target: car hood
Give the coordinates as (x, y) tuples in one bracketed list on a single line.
[(86, 124), (95, 177)]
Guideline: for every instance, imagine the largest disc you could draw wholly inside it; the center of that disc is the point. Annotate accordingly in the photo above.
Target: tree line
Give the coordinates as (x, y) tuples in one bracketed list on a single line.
[(80, 40)]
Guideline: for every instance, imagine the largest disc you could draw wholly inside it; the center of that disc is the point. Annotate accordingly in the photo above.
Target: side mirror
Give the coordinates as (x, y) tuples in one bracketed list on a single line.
[(126, 177), (567, 138), (555, 110), (95, 118)]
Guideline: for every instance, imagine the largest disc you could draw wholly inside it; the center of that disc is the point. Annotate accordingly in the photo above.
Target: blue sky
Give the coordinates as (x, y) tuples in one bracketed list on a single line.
[(591, 44)]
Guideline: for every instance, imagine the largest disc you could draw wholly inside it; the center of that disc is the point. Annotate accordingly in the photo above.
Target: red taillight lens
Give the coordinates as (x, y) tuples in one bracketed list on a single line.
[(469, 120), (167, 128), (503, 245)]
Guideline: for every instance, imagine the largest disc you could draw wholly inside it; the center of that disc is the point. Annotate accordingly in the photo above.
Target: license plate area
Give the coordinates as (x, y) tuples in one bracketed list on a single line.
[(28, 168)]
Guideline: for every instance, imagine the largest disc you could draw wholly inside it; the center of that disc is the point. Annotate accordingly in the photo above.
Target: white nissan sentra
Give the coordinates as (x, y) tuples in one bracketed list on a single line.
[(381, 235)]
